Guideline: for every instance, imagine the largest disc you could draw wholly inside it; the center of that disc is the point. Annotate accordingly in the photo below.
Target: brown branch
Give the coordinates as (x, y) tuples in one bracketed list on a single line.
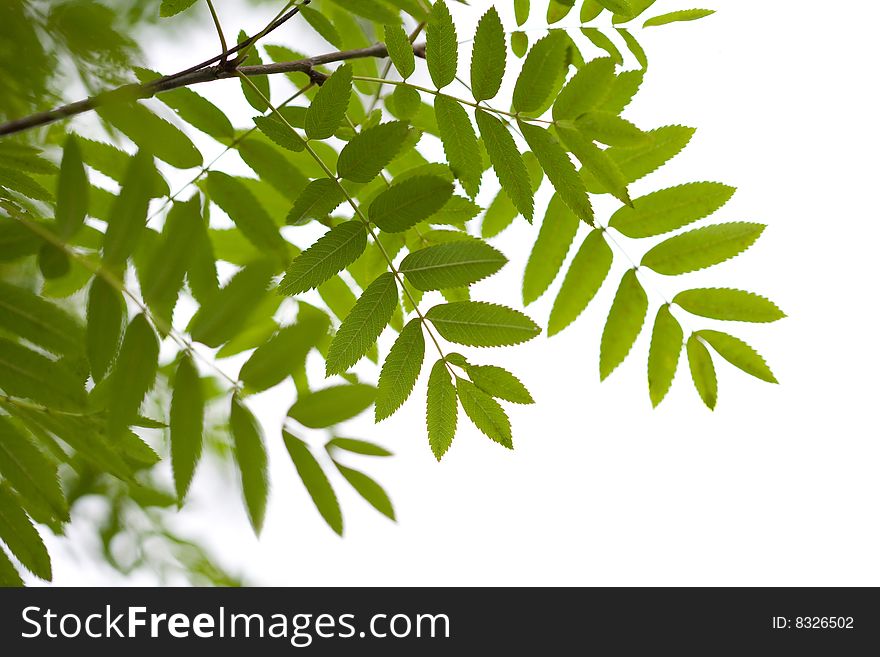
[(131, 92)]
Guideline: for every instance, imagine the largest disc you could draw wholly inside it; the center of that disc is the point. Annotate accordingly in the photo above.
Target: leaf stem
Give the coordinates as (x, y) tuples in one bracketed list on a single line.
[(219, 28)]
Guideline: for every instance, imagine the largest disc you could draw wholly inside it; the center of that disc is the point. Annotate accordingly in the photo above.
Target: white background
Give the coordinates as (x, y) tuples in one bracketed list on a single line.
[(779, 486)]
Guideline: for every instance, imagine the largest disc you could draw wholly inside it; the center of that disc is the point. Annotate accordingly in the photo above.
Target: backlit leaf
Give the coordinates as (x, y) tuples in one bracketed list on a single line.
[(250, 454), (105, 317), (486, 413), (367, 488), (668, 209), (557, 233), (738, 353), (589, 87), (26, 373), (400, 370), (330, 406), (320, 197), (129, 212), (400, 50), (452, 264), (332, 253), (499, 383), (585, 276), (702, 247), (133, 374), (39, 321), (678, 16), (72, 197), (152, 133), (728, 304), (542, 69), (21, 537), (371, 150), (702, 371), (442, 413), (507, 162), (329, 105), (315, 481), (355, 446), (26, 469), (481, 324), (406, 203), (241, 205), (625, 320), (186, 424), (666, 343), (459, 143), (489, 56), (441, 45)]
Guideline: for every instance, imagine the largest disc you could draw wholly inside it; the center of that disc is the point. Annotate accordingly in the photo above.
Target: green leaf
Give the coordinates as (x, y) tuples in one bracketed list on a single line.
[(400, 50), (225, 313), (638, 7), (597, 163), (357, 447), (315, 481), (623, 89), (486, 413), (173, 7), (441, 49), (128, 216), (738, 353), (625, 320), (590, 10), (366, 321), (442, 413), (519, 43), (666, 342), (9, 577), (165, 270), (153, 134), (114, 163), (636, 163), (133, 375), (601, 40), (489, 56), (507, 162), (459, 143), (21, 537), (621, 7), (279, 132), (589, 87), (16, 240), (369, 489), (406, 203), (371, 150), (250, 454), (39, 321), (481, 324), (610, 129), (678, 16), (322, 25), (521, 9), (24, 184), (559, 169), (702, 247), (332, 253), (452, 264), (400, 370), (499, 383), (30, 473), (254, 99), (320, 197), (26, 373), (200, 113), (542, 69), (728, 304), (557, 233), (702, 371), (328, 108), (53, 261), (284, 354), (585, 276), (670, 209), (330, 406), (374, 10), (105, 317), (186, 424), (241, 205), (72, 196), (634, 47)]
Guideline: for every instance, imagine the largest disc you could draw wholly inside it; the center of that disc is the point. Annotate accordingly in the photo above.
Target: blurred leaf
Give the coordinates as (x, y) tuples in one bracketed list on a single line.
[(315, 481), (330, 406), (250, 454)]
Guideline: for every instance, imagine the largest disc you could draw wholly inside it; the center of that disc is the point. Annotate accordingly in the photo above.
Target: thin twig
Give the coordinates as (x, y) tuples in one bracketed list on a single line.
[(217, 25)]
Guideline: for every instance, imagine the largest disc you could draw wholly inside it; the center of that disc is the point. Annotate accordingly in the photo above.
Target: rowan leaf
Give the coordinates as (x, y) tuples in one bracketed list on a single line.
[(356, 446), (9, 577), (621, 7), (366, 321), (738, 353), (625, 320), (441, 45), (452, 264), (114, 163), (559, 169), (186, 424), (486, 413), (406, 203), (368, 488), (152, 133), (587, 90), (284, 354), (489, 56), (39, 321), (482, 324), (374, 10), (543, 67), (315, 481), (329, 105), (669, 209), (702, 371), (33, 475), (322, 25), (587, 272), (729, 305), (521, 10), (250, 455), (400, 370), (29, 374), (128, 215), (332, 253), (519, 43), (261, 82), (499, 383), (225, 313), (701, 247), (105, 318), (634, 47), (21, 537), (319, 198), (597, 162), (72, 195), (241, 205), (174, 7), (400, 50), (507, 162), (459, 143), (133, 375), (610, 129), (280, 133), (330, 406), (678, 16), (442, 409), (623, 89), (371, 150), (601, 40), (667, 339), (554, 240)]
